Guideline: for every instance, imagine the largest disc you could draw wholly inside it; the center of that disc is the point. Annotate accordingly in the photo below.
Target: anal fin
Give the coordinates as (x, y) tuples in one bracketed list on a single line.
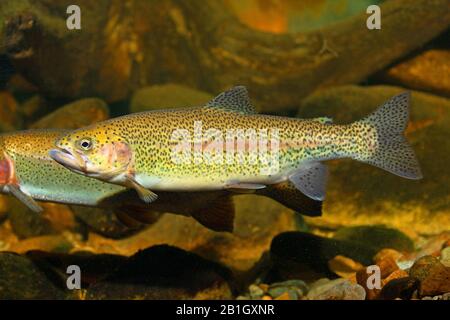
[(218, 216), (311, 180)]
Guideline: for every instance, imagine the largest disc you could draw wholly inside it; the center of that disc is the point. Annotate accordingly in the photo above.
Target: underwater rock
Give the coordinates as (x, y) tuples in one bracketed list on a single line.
[(378, 237), (4, 208), (389, 270), (255, 291), (7, 71), (343, 266), (295, 289), (34, 106), (280, 16), (387, 254), (433, 245), (445, 296), (427, 71), (402, 288), (445, 257), (202, 51), (257, 221), (48, 243), (55, 219), (94, 267), (75, 115), (18, 85), (26, 223), (434, 276), (338, 289), (9, 116), (387, 266), (360, 194), (167, 96), (361, 278), (164, 272), (104, 222), (20, 278), (397, 274), (60, 216), (298, 255)]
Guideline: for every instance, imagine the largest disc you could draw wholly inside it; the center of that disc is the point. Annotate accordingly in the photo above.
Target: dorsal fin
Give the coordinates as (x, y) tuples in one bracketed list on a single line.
[(234, 100)]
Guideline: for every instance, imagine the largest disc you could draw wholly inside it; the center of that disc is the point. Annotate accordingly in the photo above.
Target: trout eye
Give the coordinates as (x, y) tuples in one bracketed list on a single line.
[(85, 144)]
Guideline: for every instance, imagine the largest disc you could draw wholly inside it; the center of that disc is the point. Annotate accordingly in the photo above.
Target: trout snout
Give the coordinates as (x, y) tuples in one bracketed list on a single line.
[(70, 160)]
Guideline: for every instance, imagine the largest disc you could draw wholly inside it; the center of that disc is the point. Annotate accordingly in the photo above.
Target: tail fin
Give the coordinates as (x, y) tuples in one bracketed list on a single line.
[(392, 152)]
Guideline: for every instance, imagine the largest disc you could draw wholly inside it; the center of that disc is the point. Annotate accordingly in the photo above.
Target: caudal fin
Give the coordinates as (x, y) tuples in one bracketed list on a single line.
[(392, 151)]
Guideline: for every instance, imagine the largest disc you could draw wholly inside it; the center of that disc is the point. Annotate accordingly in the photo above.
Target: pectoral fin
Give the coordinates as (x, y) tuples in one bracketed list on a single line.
[(218, 216), (146, 195), (311, 180), (24, 198)]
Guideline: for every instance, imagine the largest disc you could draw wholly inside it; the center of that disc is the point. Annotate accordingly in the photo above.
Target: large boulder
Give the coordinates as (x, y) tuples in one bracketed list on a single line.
[(427, 71), (257, 221), (75, 115), (167, 96)]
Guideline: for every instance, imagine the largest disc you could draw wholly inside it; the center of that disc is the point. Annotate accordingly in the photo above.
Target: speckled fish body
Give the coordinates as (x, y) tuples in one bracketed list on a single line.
[(138, 150), (25, 163), (26, 167)]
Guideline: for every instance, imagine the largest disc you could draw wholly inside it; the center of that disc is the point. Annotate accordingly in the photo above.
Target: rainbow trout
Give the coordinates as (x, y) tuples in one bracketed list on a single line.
[(226, 145), (28, 172)]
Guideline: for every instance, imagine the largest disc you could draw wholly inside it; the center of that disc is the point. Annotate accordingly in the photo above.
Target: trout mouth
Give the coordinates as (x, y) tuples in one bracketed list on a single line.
[(70, 160)]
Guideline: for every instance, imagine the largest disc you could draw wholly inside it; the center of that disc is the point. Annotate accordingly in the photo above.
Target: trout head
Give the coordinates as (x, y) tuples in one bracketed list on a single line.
[(97, 153)]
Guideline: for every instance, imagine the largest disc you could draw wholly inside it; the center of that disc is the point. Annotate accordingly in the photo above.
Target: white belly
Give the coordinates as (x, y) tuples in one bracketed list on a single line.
[(201, 184)]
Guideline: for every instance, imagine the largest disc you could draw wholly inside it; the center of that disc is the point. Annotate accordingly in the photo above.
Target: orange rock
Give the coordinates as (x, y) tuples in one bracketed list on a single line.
[(387, 253), (60, 216), (77, 114), (4, 205), (18, 83), (9, 119), (427, 71), (51, 243), (434, 245), (387, 266), (264, 287), (434, 276), (395, 275), (267, 298), (362, 277), (352, 278), (344, 267), (284, 296)]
